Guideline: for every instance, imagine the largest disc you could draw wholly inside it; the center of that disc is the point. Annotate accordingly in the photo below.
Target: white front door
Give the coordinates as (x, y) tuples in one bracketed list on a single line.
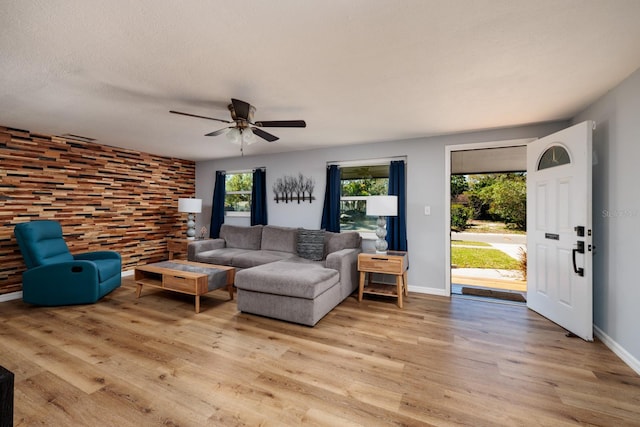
[(559, 241)]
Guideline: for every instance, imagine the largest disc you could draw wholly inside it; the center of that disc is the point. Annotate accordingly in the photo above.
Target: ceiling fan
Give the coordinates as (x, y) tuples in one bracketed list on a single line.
[(244, 128)]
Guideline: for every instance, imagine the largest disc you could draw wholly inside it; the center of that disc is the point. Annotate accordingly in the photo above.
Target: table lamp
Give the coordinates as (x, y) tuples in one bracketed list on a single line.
[(191, 207)]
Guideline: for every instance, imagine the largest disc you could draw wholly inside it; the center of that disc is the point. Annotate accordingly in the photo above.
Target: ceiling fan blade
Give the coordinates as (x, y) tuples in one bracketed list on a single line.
[(265, 135), (199, 117), (241, 108), (218, 132), (282, 124)]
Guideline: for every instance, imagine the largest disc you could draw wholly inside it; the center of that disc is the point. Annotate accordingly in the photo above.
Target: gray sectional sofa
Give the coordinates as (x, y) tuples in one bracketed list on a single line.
[(286, 273)]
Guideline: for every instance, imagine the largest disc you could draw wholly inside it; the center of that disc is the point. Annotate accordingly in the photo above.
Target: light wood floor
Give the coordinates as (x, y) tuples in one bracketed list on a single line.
[(153, 361)]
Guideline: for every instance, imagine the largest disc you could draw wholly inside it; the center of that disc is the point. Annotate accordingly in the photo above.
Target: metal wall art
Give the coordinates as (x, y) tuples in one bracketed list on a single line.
[(289, 188)]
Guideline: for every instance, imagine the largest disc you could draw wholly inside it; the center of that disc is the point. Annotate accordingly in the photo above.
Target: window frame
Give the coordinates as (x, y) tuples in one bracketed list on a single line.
[(238, 214), (366, 234)]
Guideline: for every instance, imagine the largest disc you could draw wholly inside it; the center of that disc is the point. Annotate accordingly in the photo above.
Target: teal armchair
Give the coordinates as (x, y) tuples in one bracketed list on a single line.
[(56, 277)]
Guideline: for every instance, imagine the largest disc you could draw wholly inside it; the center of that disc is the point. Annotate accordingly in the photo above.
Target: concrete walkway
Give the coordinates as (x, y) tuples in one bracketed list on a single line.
[(520, 239)]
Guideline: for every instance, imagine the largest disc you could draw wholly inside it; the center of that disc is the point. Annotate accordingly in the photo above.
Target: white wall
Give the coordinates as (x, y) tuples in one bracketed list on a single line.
[(425, 186), (616, 218)]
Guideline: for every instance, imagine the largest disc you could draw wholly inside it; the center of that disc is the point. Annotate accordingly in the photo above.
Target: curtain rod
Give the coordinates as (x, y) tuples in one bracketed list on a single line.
[(379, 160), (264, 168)]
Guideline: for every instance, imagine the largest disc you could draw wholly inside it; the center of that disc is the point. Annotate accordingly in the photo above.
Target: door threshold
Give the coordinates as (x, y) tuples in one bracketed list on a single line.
[(488, 294)]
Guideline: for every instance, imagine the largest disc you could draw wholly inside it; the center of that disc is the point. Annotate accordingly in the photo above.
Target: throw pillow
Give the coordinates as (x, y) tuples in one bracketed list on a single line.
[(311, 244)]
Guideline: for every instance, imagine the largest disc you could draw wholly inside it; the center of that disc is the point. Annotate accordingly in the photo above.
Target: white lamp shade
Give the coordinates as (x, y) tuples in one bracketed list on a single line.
[(382, 205), (190, 205)]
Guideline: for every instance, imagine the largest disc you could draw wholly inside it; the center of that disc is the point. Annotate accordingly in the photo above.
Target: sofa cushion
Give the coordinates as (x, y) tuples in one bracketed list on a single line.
[(287, 278), (250, 259), (219, 256), (338, 241), (282, 239), (311, 244), (241, 237)]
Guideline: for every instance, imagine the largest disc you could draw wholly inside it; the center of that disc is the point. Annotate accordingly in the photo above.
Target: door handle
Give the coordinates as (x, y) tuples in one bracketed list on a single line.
[(580, 249)]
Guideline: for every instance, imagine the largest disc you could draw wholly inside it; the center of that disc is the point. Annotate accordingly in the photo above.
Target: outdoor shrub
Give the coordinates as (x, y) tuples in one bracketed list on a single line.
[(522, 262), (460, 216)]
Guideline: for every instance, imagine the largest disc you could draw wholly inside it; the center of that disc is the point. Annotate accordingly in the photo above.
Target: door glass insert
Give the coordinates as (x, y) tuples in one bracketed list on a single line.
[(554, 156)]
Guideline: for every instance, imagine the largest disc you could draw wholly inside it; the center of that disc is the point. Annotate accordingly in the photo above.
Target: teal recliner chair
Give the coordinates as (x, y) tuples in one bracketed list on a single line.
[(56, 277)]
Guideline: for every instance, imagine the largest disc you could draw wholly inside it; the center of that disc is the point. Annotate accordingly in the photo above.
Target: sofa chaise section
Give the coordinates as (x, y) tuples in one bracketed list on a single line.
[(292, 291)]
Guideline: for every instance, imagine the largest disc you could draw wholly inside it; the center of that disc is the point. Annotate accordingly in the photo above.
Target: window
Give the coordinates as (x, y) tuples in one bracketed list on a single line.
[(356, 183), (554, 156), (237, 199)]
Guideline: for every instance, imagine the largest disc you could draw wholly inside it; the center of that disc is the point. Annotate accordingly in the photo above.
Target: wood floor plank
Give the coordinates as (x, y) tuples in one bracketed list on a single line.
[(55, 360), (54, 401), (438, 361)]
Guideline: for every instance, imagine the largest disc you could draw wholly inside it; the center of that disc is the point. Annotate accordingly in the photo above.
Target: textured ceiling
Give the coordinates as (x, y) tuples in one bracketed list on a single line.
[(357, 71)]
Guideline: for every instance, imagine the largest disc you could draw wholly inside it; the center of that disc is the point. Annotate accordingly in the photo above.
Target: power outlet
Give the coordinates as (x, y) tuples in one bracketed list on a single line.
[(427, 210)]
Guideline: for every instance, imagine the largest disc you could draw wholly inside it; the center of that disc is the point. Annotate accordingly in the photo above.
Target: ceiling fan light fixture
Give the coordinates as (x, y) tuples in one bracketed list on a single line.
[(234, 136), (241, 132), (248, 136)]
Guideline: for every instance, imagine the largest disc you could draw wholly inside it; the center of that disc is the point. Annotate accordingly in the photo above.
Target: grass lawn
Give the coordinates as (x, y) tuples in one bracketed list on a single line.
[(482, 258)]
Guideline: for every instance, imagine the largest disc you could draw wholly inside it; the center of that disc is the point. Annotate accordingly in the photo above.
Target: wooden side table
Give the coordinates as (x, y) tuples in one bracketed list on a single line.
[(178, 246), (394, 263)]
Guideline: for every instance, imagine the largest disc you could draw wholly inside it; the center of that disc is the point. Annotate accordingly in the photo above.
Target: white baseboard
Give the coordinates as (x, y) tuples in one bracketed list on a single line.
[(11, 296), (429, 291), (618, 349)]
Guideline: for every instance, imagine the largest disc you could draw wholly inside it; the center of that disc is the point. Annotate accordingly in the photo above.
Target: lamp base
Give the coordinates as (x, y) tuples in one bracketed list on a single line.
[(191, 227), (381, 233)]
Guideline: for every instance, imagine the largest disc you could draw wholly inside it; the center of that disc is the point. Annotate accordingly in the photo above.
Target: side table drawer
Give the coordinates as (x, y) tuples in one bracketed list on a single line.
[(178, 283), (381, 264)]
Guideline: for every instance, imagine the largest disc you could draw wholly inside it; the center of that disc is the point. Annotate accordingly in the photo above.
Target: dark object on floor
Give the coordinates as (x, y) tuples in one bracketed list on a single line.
[(490, 293), (6, 398)]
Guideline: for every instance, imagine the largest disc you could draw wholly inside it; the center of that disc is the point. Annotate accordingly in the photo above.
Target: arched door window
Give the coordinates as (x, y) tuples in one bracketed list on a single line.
[(554, 156)]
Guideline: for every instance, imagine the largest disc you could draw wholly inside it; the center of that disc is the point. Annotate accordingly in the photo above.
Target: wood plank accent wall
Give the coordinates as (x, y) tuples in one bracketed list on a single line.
[(105, 198)]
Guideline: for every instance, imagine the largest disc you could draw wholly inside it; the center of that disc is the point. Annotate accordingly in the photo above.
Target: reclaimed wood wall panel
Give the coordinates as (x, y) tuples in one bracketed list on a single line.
[(106, 198)]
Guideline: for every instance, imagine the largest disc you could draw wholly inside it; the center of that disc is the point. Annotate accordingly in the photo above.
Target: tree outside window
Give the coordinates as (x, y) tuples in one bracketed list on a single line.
[(237, 200), (356, 184)]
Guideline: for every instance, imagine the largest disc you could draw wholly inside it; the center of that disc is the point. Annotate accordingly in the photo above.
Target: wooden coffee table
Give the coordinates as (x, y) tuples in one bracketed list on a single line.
[(192, 278)]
